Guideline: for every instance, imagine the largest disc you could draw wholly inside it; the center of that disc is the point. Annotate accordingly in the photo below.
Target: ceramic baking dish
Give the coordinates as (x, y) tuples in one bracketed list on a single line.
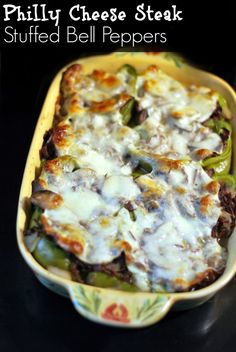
[(108, 306)]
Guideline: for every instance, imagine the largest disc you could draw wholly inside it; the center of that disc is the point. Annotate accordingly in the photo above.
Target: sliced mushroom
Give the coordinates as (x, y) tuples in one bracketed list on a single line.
[(46, 199)]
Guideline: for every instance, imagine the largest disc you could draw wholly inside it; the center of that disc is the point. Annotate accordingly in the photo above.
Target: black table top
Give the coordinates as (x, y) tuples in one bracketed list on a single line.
[(31, 316)]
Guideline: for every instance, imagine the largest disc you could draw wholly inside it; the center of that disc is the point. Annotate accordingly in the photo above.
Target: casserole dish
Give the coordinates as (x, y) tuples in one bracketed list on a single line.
[(108, 306)]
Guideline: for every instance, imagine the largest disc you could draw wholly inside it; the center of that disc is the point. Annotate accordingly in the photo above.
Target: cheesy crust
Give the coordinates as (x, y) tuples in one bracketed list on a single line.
[(93, 205)]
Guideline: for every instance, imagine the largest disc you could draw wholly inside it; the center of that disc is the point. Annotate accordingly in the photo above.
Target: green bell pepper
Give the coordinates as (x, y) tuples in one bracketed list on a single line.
[(132, 215), (145, 161), (131, 77), (229, 180), (47, 253), (221, 163), (32, 237), (218, 125), (138, 171), (127, 111), (131, 74), (100, 279), (35, 218), (222, 101), (224, 106)]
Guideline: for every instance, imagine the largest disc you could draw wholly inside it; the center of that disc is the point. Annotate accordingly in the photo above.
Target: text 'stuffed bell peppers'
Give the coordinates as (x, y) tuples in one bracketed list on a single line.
[(47, 253), (100, 279), (127, 111), (220, 163)]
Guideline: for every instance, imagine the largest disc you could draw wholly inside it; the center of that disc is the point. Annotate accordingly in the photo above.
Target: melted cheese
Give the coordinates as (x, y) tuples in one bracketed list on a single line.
[(120, 187), (172, 239), (176, 115), (167, 243)]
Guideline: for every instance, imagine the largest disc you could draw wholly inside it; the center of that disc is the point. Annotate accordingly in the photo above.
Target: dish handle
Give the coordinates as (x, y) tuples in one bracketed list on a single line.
[(119, 308)]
